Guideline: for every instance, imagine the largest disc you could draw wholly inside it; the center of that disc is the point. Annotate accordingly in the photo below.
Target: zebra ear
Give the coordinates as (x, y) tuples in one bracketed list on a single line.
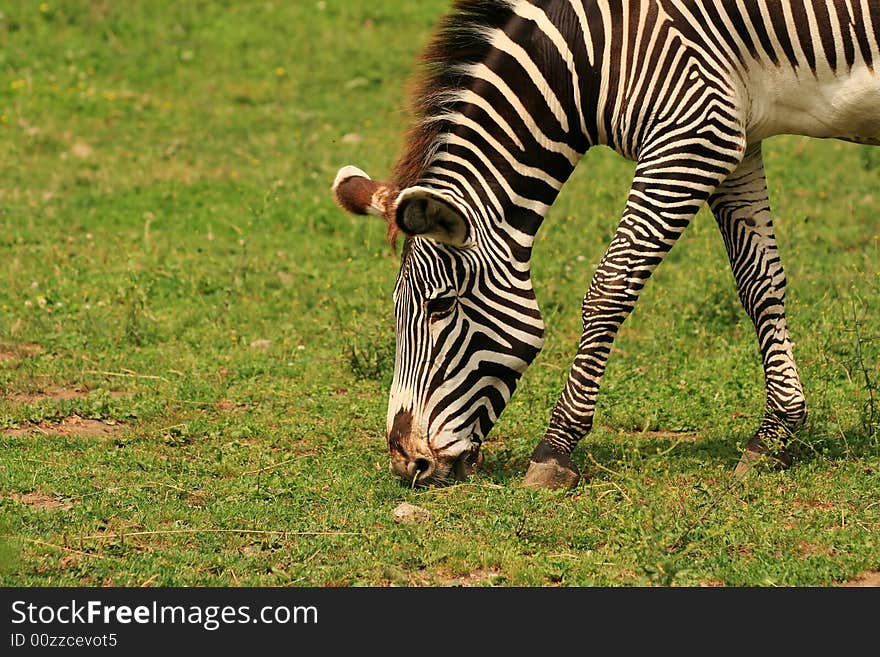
[(422, 211), (355, 192)]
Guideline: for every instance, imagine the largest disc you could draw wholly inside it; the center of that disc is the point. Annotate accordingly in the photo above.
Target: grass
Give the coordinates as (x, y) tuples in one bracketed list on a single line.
[(196, 345)]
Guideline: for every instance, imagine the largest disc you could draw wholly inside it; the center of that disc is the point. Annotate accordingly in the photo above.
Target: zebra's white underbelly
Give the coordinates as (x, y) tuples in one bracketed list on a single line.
[(843, 107)]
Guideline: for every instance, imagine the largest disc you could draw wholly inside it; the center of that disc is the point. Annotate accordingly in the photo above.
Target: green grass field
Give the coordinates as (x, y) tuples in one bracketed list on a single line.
[(196, 344)]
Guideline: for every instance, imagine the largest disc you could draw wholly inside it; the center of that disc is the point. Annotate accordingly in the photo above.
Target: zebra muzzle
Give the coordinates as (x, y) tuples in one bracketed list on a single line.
[(468, 463)]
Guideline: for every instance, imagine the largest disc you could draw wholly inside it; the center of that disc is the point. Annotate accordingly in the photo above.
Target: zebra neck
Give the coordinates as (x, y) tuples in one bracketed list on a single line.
[(503, 207)]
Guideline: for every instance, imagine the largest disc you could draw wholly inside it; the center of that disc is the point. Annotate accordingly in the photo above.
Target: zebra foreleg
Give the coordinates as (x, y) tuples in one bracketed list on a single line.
[(742, 210), (612, 295), (660, 207)]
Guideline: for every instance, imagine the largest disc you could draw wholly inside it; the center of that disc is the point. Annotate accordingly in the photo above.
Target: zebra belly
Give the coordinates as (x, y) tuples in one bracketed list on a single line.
[(842, 107)]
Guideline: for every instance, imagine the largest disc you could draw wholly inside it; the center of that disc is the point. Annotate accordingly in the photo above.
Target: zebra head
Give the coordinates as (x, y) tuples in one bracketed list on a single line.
[(467, 326)]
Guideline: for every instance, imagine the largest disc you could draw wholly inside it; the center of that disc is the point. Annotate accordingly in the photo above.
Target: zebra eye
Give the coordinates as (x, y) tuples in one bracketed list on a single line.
[(440, 306)]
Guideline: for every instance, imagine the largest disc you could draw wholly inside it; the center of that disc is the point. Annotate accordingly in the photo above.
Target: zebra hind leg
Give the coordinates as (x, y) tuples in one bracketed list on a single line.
[(767, 447), (742, 211)]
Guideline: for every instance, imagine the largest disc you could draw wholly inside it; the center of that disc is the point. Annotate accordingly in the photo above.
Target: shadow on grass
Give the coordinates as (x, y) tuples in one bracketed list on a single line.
[(606, 453), (818, 443)]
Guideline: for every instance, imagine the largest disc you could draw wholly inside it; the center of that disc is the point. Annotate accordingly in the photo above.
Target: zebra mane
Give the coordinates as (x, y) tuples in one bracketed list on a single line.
[(461, 39)]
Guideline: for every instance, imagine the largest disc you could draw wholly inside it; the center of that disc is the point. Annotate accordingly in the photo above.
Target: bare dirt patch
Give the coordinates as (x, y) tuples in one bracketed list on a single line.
[(41, 502), (69, 426), (680, 436), (19, 352), (481, 577), (229, 405), (57, 394), (865, 579), (807, 549)]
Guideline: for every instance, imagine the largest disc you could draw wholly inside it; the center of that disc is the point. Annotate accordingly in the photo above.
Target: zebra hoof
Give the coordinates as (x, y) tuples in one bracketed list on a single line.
[(550, 469), (757, 454)]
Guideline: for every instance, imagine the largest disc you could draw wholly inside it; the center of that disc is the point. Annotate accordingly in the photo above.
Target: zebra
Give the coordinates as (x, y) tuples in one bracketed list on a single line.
[(512, 94)]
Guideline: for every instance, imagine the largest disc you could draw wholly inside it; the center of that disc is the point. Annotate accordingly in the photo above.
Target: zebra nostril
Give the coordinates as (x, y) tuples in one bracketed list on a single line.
[(421, 465)]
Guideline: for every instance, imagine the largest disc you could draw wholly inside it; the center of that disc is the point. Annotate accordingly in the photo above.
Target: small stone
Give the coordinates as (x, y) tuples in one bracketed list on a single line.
[(261, 344), (407, 512)]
